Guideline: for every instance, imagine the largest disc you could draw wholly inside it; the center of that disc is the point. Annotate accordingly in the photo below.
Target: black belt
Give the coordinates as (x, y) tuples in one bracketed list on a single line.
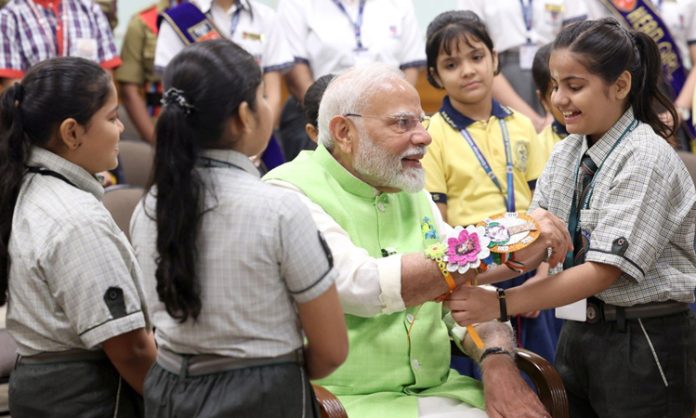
[(196, 365), (598, 311)]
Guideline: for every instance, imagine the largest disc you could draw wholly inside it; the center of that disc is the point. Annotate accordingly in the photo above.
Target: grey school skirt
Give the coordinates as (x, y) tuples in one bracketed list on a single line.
[(71, 384), (274, 389)]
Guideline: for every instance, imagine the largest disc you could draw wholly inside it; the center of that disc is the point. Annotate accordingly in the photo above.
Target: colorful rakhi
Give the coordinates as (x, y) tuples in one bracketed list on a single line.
[(510, 232), (466, 248)]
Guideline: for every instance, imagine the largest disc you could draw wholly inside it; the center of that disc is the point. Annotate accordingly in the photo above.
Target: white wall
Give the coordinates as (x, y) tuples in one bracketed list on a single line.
[(426, 10)]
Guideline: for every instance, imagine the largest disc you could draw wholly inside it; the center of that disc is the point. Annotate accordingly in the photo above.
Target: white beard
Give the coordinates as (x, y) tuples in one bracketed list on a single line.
[(377, 164)]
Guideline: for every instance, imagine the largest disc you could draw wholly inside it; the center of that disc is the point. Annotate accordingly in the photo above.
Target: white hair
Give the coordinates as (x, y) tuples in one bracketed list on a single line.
[(349, 92)]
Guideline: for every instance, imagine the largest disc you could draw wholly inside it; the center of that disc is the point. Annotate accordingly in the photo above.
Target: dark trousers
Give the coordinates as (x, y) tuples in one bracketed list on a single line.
[(278, 390), (611, 372), (73, 389)]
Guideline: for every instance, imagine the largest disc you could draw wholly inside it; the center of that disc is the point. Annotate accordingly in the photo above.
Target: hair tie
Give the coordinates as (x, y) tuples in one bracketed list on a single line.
[(174, 96), (18, 94)]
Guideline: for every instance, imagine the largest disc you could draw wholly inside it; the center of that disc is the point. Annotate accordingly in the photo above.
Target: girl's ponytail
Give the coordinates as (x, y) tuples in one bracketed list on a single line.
[(646, 97), (14, 153), (196, 116), (179, 196)]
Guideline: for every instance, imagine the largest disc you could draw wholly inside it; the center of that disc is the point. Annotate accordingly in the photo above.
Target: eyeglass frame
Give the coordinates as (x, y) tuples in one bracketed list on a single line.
[(422, 120)]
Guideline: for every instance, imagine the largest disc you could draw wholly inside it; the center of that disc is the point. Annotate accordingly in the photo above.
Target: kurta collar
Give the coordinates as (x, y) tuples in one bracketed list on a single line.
[(459, 121), (234, 158), (348, 181), (601, 149), (78, 176)]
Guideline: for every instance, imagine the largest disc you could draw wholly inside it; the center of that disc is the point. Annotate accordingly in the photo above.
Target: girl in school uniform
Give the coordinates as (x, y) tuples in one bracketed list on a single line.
[(484, 158), (631, 208), (555, 132), (248, 23), (235, 270), (67, 272)]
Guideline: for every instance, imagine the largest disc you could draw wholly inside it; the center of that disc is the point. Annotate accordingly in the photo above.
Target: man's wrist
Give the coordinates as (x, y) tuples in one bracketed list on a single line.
[(494, 351)]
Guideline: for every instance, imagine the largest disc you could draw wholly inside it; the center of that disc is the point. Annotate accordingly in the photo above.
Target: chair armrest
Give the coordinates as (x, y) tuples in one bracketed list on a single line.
[(547, 381), (329, 405)]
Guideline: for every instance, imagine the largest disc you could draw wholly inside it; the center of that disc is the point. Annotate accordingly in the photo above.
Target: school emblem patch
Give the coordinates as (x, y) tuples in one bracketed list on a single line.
[(521, 156)]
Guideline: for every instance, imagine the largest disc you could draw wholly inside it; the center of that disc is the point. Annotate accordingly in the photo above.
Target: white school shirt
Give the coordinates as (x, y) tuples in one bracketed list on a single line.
[(678, 15), (256, 30), (259, 254), (74, 280), (322, 36), (506, 23)]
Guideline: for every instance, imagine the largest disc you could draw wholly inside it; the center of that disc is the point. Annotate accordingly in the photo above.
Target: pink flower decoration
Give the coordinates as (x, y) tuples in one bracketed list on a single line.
[(463, 249), (466, 247)]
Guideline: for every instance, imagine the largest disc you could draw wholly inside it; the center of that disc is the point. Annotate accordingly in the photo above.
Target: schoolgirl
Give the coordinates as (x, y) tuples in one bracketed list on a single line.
[(630, 206), (235, 269), (555, 132), (484, 158), (67, 272)]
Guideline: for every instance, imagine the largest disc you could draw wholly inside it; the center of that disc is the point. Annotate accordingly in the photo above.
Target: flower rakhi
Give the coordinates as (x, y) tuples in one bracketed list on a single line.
[(466, 248)]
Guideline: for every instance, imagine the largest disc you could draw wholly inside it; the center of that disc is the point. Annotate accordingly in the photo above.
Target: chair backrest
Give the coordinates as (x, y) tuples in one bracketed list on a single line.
[(8, 354), (690, 163), (120, 201), (136, 160)]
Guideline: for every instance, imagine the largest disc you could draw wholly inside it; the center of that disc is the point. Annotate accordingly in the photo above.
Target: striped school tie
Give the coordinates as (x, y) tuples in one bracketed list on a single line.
[(587, 170)]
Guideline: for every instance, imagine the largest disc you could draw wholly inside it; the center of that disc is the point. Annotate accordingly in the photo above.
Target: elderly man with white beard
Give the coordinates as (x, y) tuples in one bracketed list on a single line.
[(364, 187)]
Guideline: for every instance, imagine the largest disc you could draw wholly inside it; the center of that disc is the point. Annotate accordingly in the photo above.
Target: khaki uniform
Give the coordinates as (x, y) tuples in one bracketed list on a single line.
[(138, 55)]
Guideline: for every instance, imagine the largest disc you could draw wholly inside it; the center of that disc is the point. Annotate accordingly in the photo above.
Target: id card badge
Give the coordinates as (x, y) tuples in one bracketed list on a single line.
[(527, 52), (85, 48), (361, 55), (576, 311)]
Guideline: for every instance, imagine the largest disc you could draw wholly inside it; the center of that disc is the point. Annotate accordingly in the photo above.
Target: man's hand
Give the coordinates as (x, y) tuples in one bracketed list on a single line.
[(506, 393)]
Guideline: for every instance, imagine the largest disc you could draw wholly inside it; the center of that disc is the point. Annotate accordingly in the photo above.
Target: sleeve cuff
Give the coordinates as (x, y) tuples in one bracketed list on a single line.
[(112, 328), (110, 64), (625, 264), (10, 73), (286, 66), (439, 197), (390, 283), (413, 64)]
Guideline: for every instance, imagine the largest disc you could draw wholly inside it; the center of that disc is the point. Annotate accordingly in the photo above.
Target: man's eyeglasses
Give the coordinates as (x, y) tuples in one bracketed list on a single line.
[(400, 123)]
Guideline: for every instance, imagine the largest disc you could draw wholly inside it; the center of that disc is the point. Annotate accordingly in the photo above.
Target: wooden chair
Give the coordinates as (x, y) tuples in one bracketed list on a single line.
[(136, 161), (120, 201), (549, 387), (8, 356)]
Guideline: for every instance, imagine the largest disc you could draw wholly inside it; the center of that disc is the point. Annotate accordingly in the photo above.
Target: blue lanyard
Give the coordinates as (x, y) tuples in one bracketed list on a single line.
[(527, 14), (235, 20), (510, 200), (574, 217), (357, 25)]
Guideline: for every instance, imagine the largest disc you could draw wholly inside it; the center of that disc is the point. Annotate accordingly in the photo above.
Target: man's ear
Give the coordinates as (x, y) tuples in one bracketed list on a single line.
[(622, 85), (70, 134), (343, 133)]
